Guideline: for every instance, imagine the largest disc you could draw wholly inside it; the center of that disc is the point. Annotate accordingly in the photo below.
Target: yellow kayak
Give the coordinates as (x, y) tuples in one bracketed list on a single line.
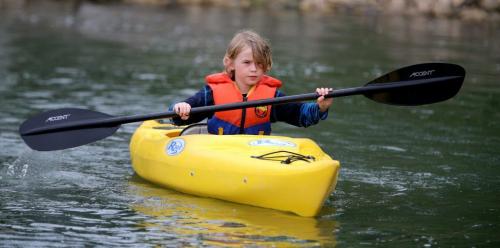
[(287, 174)]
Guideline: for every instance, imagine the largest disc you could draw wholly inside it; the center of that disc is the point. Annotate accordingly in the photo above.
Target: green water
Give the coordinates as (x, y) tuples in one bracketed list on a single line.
[(424, 176)]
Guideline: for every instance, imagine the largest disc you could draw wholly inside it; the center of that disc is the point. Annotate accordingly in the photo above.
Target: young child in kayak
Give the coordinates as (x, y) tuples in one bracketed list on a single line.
[(246, 62)]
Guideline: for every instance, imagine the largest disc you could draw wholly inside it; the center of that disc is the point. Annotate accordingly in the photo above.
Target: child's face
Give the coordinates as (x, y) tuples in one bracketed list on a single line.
[(247, 71)]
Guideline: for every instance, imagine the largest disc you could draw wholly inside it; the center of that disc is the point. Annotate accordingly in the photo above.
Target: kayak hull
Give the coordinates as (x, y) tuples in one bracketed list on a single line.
[(225, 167)]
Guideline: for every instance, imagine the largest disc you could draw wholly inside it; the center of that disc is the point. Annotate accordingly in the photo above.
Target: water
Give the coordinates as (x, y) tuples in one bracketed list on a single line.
[(424, 176)]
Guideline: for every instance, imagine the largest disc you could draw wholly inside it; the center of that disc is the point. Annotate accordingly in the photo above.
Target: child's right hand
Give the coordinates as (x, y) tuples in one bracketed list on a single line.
[(182, 109)]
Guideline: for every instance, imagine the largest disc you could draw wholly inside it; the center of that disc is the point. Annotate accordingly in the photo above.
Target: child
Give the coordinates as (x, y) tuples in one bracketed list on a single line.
[(247, 59)]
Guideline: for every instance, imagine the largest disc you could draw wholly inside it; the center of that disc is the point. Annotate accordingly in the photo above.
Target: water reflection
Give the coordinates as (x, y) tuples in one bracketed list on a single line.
[(215, 222)]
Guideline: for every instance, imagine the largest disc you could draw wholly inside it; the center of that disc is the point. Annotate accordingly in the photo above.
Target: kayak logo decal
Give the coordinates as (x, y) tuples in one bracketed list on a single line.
[(271, 142), (261, 111), (58, 118), (175, 147), (422, 73)]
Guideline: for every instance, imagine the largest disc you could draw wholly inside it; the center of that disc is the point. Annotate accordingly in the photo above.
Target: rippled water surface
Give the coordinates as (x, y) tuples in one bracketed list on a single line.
[(420, 176)]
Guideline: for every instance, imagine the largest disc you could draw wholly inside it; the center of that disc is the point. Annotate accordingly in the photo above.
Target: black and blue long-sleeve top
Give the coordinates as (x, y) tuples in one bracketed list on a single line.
[(297, 114)]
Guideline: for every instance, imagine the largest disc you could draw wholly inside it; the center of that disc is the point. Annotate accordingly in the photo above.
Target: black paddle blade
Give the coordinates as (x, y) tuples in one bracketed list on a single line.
[(418, 84), (49, 131)]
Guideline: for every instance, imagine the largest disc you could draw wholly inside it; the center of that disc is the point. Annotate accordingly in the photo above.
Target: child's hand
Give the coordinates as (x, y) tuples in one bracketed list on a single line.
[(182, 109), (324, 103)]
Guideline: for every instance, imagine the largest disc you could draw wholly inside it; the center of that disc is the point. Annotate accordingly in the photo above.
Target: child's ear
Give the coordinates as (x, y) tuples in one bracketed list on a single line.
[(228, 63)]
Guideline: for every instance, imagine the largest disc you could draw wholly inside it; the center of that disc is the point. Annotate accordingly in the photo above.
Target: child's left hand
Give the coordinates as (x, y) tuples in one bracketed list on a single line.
[(324, 103)]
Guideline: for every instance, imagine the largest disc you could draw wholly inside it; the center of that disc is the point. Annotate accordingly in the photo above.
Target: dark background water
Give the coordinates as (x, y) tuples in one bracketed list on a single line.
[(420, 176)]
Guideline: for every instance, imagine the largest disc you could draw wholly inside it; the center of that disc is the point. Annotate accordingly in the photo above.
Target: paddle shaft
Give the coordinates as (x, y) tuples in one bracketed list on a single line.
[(115, 121)]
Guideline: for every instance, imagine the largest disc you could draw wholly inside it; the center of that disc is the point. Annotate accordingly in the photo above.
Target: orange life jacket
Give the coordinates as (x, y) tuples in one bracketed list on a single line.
[(255, 120)]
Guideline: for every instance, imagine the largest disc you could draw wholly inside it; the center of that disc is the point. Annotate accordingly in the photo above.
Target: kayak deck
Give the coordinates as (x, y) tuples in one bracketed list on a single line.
[(282, 173)]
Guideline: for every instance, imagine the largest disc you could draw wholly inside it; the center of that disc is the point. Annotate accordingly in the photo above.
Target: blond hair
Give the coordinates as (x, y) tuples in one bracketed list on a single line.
[(260, 49)]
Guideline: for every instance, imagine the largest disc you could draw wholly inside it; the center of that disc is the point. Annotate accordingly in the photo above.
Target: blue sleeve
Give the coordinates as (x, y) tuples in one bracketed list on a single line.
[(297, 114), (204, 97)]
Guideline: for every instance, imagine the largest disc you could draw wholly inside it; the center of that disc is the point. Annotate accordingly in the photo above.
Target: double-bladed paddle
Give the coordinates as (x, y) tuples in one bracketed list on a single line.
[(409, 86)]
